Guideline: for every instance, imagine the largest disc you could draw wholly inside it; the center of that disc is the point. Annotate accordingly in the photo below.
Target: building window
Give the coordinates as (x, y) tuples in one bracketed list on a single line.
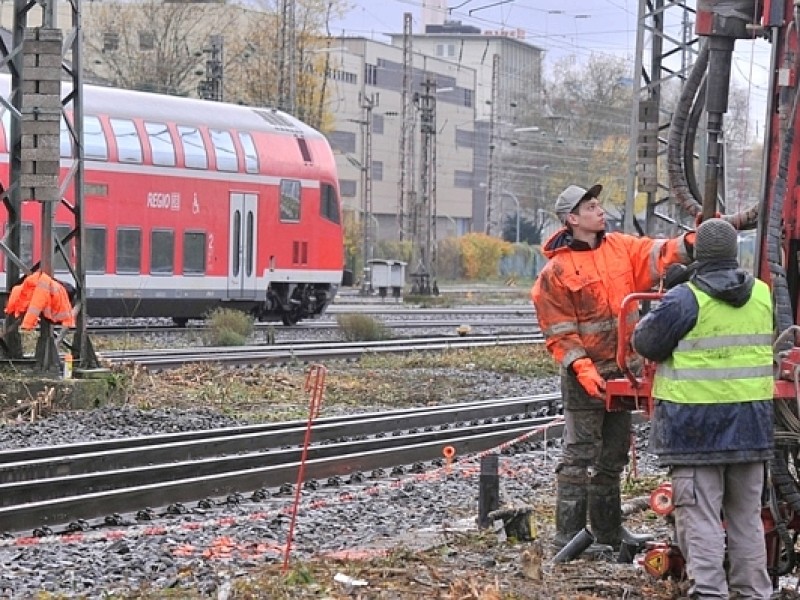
[(343, 141), (147, 40), (377, 170), (446, 50), (464, 138), (162, 252), (377, 124), (290, 200), (370, 74), (129, 251), (194, 253), (110, 41), (468, 98), (462, 179), (348, 188)]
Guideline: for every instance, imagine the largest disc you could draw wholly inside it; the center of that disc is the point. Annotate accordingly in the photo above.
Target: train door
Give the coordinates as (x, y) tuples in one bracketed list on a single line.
[(242, 251)]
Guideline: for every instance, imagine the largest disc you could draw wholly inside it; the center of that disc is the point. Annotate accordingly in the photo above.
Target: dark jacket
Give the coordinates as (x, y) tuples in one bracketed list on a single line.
[(702, 433)]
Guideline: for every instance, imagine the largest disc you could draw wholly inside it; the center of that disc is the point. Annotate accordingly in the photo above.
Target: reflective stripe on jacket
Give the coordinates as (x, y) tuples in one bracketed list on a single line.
[(579, 293), (726, 357), (719, 431)]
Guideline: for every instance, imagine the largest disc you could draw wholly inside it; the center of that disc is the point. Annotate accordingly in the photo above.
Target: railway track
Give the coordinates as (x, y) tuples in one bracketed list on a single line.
[(517, 323), (68, 485), (160, 359)]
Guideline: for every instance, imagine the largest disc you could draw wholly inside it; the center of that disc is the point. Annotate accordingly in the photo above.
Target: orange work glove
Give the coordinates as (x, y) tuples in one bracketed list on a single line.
[(589, 378)]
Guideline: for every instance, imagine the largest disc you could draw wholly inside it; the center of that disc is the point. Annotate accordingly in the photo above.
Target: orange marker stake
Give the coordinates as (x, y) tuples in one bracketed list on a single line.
[(315, 386), (448, 452)]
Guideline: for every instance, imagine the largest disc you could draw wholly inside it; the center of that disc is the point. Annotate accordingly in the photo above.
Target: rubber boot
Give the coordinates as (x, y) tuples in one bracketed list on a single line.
[(571, 503), (605, 516)]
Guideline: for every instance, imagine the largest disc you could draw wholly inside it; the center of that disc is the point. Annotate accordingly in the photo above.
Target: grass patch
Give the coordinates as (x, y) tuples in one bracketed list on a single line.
[(524, 360), (362, 328), (228, 327)]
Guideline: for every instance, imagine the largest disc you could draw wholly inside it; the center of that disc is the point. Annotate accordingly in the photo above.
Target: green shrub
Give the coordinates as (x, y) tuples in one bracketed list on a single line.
[(228, 327), (361, 328)]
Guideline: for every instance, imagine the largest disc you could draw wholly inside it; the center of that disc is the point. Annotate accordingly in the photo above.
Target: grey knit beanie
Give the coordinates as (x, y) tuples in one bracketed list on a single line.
[(716, 240)]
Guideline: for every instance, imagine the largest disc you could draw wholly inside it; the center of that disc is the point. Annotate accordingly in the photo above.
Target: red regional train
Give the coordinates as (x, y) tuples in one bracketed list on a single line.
[(190, 205)]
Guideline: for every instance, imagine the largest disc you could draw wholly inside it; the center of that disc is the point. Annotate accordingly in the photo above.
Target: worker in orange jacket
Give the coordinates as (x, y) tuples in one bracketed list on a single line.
[(578, 297), (39, 295)]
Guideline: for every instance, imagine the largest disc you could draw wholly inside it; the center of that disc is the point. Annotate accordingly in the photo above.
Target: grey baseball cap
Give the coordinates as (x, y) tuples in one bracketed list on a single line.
[(571, 197)]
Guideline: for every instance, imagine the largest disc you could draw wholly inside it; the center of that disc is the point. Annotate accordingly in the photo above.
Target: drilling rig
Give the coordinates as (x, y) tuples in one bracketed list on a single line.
[(774, 215)]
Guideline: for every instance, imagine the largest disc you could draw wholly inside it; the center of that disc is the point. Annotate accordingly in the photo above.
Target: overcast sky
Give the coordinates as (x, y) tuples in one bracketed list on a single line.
[(560, 27)]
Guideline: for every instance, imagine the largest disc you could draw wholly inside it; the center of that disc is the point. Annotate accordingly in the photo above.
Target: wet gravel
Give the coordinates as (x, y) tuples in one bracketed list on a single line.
[(204, 548)]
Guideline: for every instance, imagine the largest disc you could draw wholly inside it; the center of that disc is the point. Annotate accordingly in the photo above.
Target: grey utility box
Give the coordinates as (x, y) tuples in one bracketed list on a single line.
[(387, 274)]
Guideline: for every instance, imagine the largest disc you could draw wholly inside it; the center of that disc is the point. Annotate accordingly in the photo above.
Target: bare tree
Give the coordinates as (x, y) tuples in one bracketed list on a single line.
[(151, 45), (164, 46)]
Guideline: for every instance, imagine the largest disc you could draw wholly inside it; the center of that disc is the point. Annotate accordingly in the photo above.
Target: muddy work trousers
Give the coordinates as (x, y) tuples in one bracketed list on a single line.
[(596, 442), (701, 494)]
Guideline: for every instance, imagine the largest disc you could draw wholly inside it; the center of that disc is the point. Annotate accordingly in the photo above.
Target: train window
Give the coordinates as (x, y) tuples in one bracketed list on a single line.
[(224, 149), (95, 249), (194, 151), (94, 140), (290, 200), (129, 250), (161, 144), (250, 263), (59, 264), (162, 252), (304, 151), (129, 146), (236, 238), (194, 253), (329, 203), (250, 154)]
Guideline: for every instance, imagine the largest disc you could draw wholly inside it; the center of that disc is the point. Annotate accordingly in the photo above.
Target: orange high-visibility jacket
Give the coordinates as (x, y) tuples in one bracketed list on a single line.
[(578, 295), (40, 295)]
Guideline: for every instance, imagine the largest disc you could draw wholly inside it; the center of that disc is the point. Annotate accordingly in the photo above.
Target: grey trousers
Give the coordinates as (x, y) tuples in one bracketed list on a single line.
[(701, 494)]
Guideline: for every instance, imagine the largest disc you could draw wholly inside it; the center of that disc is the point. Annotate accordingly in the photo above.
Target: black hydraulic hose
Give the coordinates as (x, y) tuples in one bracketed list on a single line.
[(780, 286), (677, 134), (680, 147), (688, 143)]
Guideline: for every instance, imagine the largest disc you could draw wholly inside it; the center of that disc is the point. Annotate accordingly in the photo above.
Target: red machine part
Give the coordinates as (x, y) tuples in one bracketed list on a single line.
[(661, 499), (630, 392), (664, 560)]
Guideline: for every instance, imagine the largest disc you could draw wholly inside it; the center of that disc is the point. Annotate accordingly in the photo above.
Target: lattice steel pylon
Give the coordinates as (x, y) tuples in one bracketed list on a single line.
[(287, 74), (655, 48), (46, 81), (405, 182), (423, 214)]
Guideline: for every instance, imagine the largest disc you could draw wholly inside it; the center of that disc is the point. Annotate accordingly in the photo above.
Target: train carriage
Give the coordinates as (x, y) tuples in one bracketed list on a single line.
[(190, 205)]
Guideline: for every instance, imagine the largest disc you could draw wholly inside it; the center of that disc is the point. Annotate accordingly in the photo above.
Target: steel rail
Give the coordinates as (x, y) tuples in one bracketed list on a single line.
[(171, 358), (192, 480), (60, 461)]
